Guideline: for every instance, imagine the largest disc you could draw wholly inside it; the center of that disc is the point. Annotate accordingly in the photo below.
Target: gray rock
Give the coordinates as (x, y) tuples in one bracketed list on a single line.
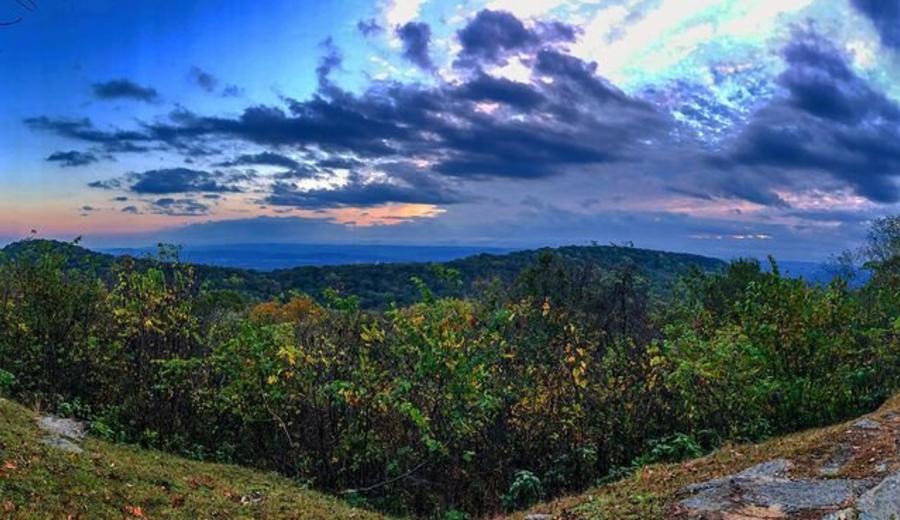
[(843, 514), (794, 496), (538, 516), (881, 502), (62, 433), (867, 424), (772, 469), (765, 486), (68, 428)]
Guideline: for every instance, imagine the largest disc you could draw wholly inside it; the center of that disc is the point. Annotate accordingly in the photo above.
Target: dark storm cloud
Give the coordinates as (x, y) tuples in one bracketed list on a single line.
[(821, 83), (124, 89), (416, 37), (500, 90), (204, 79), (516, 151), (885, 15), (579, 77), (72, 159), (359, 193), (315, 122), (481, 127), (582, 119), (178, 207), (262, 158), (180, 180), (493, 34), (830, 121)]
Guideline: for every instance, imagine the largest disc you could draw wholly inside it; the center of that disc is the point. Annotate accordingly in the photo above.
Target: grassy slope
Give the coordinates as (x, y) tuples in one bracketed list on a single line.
[(650, 493), (111, 481)]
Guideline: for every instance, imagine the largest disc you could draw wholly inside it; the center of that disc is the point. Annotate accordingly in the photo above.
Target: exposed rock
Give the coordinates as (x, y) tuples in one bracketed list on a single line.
[(772, 469), (538, 516), (881, 502), (794, 496), (762, 491), (867, 424), (62, 433)]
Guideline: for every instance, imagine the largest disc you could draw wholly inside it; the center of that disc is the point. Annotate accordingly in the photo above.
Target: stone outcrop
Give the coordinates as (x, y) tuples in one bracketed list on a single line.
[(854, 482), (65, 434)]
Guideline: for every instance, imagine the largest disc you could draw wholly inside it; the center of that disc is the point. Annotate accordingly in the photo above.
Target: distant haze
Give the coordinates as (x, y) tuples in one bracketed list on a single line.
[(265, 257)]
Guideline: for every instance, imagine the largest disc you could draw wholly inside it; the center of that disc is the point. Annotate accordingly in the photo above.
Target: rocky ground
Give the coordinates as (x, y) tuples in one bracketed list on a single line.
[(846, 472), (856, 477)]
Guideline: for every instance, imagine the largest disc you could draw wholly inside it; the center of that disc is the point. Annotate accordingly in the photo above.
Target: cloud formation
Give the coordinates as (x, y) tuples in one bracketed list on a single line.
[(72, 159), (416, 37), (262, 158), (178, 207), (180, 180), (204, 79), (518, 110), (124, 89), (829, 121), (492, 36), (885, 15)]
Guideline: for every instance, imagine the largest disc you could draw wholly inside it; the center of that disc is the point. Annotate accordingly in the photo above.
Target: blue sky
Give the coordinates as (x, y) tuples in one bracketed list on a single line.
[(720, 127)]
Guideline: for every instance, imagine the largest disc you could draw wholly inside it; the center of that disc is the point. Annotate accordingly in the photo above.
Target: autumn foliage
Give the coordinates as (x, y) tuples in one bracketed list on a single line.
[(570, 375)]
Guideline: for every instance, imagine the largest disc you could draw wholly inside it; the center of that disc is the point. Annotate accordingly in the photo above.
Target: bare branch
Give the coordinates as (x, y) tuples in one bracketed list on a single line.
[(386, 482)]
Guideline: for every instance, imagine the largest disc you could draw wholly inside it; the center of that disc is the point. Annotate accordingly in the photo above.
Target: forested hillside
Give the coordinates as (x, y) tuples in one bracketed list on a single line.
[(379, 285)]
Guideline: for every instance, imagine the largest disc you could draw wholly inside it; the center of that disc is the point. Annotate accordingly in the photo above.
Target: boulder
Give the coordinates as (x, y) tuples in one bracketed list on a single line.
[(62, 433)]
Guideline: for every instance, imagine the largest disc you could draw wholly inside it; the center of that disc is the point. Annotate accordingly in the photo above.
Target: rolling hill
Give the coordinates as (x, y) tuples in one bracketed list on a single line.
[(378, 285)]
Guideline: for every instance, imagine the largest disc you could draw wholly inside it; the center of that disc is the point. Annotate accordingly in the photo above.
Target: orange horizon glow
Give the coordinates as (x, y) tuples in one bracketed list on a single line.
[(105, 219)]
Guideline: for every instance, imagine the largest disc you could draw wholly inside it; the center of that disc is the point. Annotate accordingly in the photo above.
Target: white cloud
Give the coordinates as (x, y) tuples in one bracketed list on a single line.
[(399, 12)]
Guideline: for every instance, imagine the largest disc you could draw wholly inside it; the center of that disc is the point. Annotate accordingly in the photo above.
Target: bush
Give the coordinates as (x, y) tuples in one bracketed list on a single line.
[(524, 491)]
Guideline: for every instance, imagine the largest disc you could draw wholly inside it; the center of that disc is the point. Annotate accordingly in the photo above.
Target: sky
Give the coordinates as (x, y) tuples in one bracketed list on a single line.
[(728, 128)]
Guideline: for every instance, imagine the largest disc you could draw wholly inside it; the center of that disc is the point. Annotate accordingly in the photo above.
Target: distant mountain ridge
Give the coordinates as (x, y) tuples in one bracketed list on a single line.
[(380, 284), (285, 256)]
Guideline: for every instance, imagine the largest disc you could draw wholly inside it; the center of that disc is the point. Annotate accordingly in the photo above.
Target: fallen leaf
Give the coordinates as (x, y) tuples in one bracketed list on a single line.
[(8, 506), (134, 511)]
